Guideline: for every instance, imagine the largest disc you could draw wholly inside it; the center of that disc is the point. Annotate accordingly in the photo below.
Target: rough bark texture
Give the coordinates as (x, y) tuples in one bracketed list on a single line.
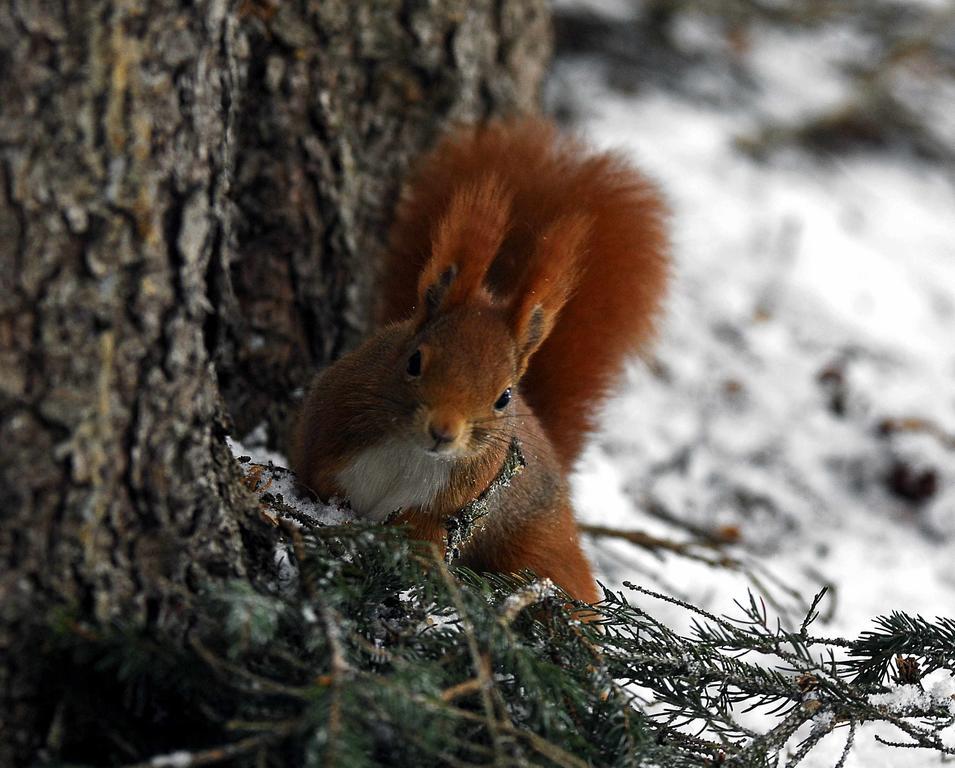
[(116, 482), (340, 97), (191, 197)]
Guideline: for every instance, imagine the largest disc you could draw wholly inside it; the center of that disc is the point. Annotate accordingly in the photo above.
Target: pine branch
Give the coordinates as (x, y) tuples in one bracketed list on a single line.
[(386, 655)]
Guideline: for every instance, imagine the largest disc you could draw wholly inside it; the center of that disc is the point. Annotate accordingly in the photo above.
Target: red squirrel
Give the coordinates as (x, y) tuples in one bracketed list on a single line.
[(522, 271)]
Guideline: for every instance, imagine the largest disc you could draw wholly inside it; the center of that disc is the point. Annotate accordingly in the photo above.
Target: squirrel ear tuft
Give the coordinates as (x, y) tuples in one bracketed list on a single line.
[(548, 284), (434, 294), (463, 246)]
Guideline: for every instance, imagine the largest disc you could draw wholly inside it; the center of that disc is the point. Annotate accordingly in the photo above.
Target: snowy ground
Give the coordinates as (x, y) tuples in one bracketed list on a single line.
[(814, 301)]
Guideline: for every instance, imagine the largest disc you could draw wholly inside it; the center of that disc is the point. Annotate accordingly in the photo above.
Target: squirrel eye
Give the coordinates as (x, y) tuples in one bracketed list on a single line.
[(414, 364), (503, 400)]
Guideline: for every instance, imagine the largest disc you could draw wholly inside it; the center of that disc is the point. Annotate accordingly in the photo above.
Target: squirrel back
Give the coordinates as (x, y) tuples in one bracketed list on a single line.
[(619, 281)]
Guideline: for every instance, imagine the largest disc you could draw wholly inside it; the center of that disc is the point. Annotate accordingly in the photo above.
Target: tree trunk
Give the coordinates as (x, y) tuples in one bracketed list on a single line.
[(340, 97), (191, 207)]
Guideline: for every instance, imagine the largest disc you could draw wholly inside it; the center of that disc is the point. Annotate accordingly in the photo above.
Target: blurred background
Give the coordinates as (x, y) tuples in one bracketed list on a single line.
[(798, 412), (796, 420)]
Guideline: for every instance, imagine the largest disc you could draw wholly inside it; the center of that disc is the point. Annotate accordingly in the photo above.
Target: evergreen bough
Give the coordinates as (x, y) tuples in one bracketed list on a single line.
[(373, 651)]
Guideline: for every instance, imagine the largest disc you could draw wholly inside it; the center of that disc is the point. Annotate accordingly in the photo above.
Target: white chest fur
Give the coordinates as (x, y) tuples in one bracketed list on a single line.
[(392, 475)]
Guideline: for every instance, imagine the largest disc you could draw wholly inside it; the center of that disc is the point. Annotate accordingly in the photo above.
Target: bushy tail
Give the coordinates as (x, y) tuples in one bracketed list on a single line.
[(622, 277)]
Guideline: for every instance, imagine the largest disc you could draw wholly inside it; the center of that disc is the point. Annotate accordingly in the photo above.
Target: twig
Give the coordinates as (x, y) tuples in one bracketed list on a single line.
[(462, 525), (776, 736), (551, 751), (186, 759), (478, 659), (892, 425), (461, 689), (655, 544), (339, 668), (655, 509), (257, 682), (683, 549), (524, 598), (850, 740)]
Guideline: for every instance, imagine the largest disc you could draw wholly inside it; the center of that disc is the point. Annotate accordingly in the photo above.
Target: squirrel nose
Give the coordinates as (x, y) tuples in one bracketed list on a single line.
[(444, 430), (440, 435)]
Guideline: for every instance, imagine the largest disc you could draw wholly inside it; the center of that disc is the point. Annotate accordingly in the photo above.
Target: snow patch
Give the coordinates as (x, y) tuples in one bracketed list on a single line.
[(903, 699), (268, 477)]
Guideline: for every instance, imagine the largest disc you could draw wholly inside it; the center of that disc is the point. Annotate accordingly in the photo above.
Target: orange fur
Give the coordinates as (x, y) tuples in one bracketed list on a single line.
[(623, 275), (465, 241), (517, 260), (548, 282)]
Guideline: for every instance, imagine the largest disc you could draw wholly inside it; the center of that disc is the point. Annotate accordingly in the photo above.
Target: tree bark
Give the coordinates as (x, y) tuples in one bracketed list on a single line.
[(118, 491), (191, 205), (340, 97)]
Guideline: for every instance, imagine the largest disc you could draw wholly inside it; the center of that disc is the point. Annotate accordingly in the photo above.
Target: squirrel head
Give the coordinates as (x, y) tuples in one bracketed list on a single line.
[(468, 348)]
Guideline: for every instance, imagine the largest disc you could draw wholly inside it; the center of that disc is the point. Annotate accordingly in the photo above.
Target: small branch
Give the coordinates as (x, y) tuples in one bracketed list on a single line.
[(530, 595), (186, 759), (850, 740), (543, 747), (707, 537), (776, 736), (480, 661), (891, 426), (655, 544), (257, 683), (339, 668), (462, 525), (461, 689)]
